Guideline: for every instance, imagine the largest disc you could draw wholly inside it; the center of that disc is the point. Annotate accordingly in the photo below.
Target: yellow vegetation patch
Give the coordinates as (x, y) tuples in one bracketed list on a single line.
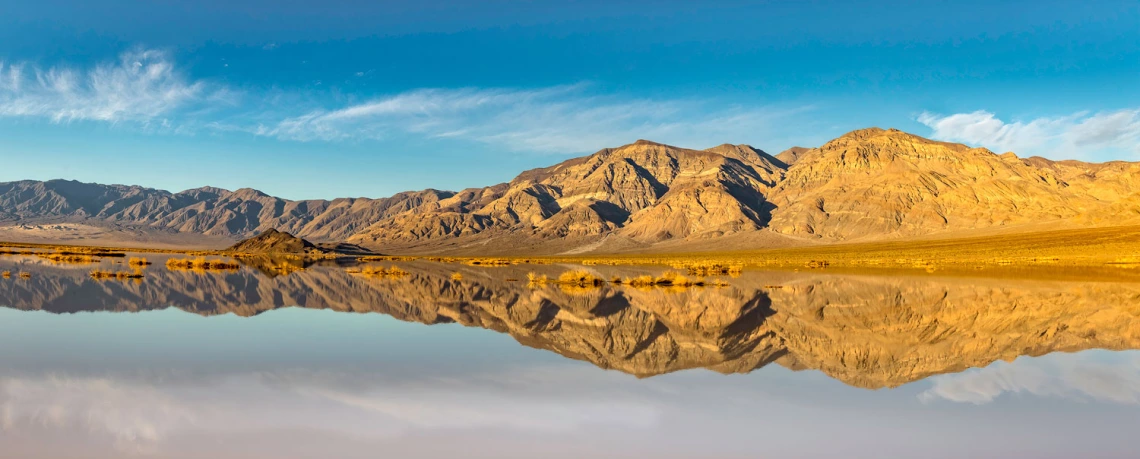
[(456, 277), (380, 272), (119, 275), (68, 258), (368, 258), (138, 262), (704, 268), (537, 279), (672, 279), (644, 280), (577, 281), (579, 277), (201, 264)]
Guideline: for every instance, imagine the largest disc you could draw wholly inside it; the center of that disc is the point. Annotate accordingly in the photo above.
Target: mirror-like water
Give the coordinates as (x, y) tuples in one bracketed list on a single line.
[(326, 363)]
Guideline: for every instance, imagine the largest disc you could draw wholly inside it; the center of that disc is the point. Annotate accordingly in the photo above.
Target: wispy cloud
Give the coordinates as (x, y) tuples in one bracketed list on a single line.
[(145, 87), (1080, 135), (560, 119), (142, 86), (1081, 376), (134, 416), (140, 412)]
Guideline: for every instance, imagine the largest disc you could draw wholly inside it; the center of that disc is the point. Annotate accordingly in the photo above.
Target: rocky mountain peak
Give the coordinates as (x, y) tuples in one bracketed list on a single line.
[(643, 142), (206, 189), (791, 155), (249, 194), (749, 155)]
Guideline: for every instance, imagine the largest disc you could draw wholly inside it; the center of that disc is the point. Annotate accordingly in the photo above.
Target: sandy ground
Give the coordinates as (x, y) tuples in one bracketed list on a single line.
[(85, 234)]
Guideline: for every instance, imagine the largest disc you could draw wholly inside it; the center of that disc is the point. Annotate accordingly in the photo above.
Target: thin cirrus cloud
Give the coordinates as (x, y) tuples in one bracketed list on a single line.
[(1082, 135), (1089, 375), (142, 86), (147, 88), (560, 119)]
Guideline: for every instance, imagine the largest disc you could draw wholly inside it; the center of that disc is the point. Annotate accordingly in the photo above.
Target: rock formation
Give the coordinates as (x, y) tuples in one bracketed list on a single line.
[(272, 243)]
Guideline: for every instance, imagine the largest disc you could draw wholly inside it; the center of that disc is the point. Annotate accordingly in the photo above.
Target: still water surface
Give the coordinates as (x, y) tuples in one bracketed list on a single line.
[(322, 363)]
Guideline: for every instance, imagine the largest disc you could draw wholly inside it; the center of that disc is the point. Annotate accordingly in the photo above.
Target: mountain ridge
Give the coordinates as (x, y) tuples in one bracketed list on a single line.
[(867, 184)]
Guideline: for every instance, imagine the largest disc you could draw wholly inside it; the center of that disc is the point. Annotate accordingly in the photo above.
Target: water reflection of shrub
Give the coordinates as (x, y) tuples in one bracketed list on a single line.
[(581, 279), (201, 264)]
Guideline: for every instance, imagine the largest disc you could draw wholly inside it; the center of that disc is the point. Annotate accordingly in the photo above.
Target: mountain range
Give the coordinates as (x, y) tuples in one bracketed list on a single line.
[(868, 184)]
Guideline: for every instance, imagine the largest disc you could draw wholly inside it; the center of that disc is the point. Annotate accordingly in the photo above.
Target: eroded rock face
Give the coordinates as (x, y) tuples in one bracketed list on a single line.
[(878, 182), (645, 191), (866, 331), (868, 184)]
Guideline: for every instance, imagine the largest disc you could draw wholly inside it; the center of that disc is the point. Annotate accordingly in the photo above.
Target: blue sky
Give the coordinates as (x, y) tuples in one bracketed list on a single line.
[(347, 98)]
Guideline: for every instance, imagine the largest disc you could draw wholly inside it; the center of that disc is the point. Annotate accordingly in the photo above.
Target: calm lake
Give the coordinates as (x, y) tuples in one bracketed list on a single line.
[(323, 363)]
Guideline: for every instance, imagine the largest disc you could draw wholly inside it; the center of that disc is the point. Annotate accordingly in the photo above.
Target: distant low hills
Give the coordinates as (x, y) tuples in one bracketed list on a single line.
[(869, 184)]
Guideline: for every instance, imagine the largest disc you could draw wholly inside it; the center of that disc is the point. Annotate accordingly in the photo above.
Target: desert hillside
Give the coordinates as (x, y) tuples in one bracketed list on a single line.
[(871, 184)]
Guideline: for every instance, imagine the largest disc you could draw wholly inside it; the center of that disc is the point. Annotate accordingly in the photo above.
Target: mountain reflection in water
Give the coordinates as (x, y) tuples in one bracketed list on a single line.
[(429, 365), (866, 331)]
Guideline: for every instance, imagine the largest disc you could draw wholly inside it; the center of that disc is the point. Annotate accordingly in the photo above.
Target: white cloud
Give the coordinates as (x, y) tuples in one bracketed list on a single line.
[(1081, 135), (1081, 376), (560, 119), (134, 416), (142, 86), (141, 413)]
